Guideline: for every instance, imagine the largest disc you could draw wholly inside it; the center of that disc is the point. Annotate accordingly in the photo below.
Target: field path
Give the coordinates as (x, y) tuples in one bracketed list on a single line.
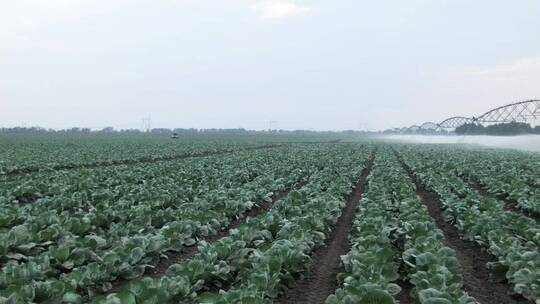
[(471, 256), (326, 261), (176, 257)]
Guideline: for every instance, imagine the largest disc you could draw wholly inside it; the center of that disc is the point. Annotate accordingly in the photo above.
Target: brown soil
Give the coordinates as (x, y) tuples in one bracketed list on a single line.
[(508, 204), (326, 262), (404, 296), (189, 252), (132, 161), (472, 258)]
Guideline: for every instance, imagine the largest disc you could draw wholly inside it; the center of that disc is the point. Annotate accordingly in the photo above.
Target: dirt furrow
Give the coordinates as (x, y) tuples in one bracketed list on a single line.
[(404, 296), (132, 161), (189, 252), (321, 281), (471, 256)]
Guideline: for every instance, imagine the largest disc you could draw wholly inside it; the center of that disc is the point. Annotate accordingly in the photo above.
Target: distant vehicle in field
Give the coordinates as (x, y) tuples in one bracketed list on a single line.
[(174, 136)]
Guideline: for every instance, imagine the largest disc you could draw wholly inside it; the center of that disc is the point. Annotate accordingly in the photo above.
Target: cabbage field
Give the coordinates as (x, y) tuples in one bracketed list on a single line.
[(128, 221)]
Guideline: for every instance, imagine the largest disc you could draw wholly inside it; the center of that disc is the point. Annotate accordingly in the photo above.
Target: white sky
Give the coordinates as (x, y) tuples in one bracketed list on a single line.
[(343, 64)]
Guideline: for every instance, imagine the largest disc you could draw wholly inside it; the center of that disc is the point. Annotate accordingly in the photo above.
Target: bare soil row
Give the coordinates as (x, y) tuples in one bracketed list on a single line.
[(321, 280)]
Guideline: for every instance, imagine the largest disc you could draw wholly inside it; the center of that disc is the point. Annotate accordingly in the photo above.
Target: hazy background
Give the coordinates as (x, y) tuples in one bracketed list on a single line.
[(521, 142), (241, 63)]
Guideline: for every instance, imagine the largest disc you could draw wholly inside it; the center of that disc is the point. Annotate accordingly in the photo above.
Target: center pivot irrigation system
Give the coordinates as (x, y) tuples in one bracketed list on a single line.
[(523, 111)]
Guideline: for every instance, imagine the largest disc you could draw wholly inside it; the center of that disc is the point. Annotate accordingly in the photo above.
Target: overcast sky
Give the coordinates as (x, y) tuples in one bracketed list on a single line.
[(241, 63)]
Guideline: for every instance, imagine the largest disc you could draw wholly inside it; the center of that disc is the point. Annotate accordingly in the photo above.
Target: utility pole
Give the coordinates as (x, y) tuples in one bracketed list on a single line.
[(146, 123), (272, 124)]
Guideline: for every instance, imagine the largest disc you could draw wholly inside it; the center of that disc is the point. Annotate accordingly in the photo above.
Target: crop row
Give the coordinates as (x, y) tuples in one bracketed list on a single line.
[(511, 237), (511, 174), (393, 240), (141, 199), (20, 154), (72, 243), (260, 258)]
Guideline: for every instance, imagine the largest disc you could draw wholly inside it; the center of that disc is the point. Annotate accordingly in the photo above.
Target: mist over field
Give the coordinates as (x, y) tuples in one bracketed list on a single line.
[(522, 142)]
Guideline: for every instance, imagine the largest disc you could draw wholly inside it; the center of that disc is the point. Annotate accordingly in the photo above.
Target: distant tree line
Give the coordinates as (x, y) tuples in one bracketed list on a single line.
[(167, 132), (512, 128)]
